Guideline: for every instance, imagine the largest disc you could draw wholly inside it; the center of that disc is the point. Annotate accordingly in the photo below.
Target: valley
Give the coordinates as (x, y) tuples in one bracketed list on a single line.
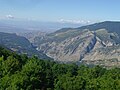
[(59, 45)]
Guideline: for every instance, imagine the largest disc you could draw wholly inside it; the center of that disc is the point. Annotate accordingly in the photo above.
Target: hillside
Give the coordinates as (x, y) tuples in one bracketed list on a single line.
[(31, 35), (19, 44), (92, 44)]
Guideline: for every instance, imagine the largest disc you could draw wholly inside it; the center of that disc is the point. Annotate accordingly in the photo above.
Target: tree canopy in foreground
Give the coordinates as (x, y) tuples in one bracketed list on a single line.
[(18, 72)]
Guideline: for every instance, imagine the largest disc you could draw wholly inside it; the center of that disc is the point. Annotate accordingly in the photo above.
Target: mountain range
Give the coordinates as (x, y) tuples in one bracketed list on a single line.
[(95, 44)]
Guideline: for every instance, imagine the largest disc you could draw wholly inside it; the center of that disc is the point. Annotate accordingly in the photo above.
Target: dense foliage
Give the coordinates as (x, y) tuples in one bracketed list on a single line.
[(18, 72)]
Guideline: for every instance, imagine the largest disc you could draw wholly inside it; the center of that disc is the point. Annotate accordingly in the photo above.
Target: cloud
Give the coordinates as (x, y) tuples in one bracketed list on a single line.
[(74, 21), (10, 16)]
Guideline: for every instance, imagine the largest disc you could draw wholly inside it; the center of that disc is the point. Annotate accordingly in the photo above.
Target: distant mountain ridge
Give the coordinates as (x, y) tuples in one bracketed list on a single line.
[(111, 26)]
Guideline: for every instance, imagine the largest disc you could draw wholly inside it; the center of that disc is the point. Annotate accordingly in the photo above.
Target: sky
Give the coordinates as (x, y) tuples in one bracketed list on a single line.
[(74, 11)]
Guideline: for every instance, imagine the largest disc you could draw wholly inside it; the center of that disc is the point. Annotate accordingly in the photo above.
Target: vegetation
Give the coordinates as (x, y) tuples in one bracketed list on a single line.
[(18, 72)]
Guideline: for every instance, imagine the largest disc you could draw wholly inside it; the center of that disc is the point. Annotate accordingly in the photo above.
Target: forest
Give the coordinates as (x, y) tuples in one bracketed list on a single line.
[(19, 72)]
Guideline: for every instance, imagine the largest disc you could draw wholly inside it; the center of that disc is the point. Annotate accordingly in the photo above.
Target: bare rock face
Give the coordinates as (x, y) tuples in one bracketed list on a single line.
[(106, 52), (70, 48), (106, 56)]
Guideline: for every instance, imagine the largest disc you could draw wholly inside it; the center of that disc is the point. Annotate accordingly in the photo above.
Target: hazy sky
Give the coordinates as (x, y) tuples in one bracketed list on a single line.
[(63, 10)]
